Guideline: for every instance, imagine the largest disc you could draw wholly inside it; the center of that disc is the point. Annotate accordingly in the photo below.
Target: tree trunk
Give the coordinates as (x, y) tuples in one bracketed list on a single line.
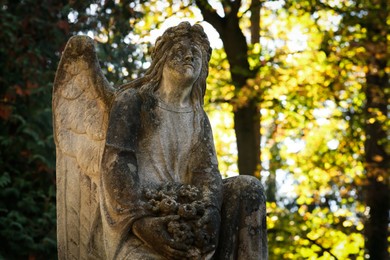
[(377, 193), (255, 22), (247, 116), (247, 128), (377, 159)]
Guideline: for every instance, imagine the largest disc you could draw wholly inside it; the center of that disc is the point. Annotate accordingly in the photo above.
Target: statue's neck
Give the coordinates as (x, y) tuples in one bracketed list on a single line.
[(177, 94), (173, 108)]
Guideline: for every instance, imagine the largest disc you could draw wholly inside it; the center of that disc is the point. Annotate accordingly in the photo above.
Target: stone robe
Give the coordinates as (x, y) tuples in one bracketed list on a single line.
[(181, 150)]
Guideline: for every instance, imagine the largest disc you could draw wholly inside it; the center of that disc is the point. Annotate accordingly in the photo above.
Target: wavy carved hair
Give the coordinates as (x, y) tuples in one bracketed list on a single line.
[(150, 82)]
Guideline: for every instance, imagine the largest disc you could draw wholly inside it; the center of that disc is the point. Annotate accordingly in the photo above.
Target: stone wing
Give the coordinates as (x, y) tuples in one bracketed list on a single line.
[(81, 102)]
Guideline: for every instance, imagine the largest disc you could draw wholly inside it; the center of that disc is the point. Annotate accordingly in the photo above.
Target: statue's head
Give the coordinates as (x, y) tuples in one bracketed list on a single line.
[(182, 33), (160, 55)]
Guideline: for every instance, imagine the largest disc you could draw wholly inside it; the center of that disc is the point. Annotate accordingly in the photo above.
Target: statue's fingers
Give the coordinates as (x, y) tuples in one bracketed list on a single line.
[(179, 245), (173, 253), (175, 245), (169, 218)]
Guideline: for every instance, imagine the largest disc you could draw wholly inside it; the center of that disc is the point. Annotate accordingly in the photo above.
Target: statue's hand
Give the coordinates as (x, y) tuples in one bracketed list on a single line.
[(153, 232), (209, 225)]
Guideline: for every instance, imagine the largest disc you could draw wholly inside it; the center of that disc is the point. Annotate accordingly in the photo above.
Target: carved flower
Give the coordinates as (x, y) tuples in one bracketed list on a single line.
[(190, 192), (154, 205), (168, 206), (199, 206), (169, 190), (150, 193), (186, 201), (181, 231), (187, 211)]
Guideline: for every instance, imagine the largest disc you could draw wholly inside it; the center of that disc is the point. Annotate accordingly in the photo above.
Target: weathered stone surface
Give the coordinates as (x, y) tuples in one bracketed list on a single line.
[(137, 173)]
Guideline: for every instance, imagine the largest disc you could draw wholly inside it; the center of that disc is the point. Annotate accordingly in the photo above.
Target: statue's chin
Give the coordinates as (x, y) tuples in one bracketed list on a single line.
[(187, 73)]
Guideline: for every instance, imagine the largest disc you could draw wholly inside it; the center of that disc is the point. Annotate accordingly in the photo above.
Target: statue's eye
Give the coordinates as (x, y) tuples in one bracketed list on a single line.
[(195, 51), (179, 52)]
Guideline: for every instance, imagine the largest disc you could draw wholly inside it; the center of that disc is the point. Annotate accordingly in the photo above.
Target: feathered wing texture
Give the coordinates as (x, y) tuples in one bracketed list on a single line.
[(81, 102)]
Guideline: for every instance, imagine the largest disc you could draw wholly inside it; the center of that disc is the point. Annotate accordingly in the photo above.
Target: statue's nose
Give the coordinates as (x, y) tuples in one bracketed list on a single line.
[(189, 57)]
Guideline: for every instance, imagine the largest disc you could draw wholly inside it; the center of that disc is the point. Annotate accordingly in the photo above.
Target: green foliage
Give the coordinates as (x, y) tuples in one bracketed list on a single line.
[(308, 168), (315, 62), (111, 24), (32, 35)]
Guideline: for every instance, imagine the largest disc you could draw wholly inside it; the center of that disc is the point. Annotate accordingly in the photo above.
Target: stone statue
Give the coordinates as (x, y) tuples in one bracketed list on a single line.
[(137, 173)]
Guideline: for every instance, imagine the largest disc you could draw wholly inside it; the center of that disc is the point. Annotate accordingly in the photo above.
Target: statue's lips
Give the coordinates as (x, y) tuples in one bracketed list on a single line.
[(188, 64)]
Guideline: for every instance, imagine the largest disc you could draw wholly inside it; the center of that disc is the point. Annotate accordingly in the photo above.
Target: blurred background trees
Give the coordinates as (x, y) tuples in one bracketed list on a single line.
[(298, 95), (32, 36)]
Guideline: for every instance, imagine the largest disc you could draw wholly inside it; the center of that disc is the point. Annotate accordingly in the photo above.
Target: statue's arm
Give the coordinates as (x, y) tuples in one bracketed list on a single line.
[(204, 167), (119, 174), (205, 175), (122, 198)]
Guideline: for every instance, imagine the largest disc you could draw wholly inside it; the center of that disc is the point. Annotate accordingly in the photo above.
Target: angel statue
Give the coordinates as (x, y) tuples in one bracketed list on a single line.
[(137, 172)]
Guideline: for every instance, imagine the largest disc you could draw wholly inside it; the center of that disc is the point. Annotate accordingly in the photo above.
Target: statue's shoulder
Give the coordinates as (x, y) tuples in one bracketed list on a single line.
[(126, 106), (125, 95), (127, 99)]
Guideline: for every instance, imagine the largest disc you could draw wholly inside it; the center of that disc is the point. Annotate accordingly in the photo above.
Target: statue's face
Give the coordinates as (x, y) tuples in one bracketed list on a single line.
[(184, 62)]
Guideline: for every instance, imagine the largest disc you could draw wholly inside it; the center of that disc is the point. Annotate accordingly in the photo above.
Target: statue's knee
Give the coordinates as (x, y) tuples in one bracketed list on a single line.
[(246, 187)]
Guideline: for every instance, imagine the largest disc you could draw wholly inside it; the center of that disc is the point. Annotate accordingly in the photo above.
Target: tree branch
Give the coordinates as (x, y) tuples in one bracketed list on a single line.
[(220, 100), (210, 15), (232, 6), (323, 249)]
